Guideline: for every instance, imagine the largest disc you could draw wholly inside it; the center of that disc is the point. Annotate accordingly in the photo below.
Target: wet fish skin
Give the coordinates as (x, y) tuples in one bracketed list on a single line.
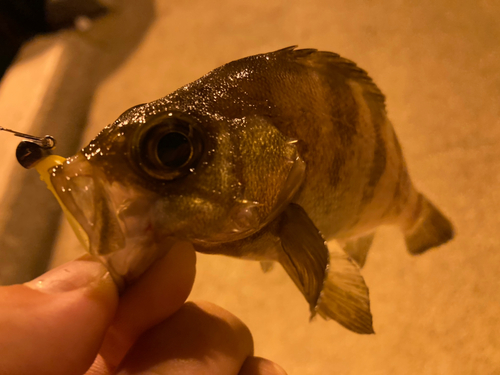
[(296, 149)]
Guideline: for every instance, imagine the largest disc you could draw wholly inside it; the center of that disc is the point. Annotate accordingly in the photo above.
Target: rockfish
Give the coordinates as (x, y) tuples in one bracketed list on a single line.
[(264, 158)]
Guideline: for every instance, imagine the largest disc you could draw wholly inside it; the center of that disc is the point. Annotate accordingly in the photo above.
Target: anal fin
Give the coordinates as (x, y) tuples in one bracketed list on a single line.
[(358, 248)]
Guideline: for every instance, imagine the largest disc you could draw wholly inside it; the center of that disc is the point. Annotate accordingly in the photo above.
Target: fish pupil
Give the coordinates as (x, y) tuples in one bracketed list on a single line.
[(173, 150)]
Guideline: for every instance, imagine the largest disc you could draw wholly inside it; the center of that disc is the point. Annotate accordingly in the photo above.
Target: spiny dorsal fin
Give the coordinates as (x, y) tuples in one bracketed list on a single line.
[(342, 66)]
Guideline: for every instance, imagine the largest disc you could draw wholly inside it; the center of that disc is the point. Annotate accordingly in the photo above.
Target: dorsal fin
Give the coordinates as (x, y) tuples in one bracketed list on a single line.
[(344, 67)]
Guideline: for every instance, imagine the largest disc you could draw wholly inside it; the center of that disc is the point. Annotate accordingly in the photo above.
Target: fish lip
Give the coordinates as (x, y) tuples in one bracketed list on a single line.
[(82, 189)]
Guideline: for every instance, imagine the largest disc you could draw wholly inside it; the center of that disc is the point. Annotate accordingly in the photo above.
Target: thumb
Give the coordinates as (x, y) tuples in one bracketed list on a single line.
[(55, 324)]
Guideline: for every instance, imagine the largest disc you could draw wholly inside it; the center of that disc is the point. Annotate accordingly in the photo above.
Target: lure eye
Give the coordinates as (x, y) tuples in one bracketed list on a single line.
[(168, 145)]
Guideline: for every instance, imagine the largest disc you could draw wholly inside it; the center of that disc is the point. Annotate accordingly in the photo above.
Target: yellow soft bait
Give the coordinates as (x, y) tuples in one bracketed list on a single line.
[(44, 167), (36, 152)]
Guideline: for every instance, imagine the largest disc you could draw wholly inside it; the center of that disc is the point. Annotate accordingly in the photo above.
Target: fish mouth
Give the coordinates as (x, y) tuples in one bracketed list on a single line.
[(118, 220)]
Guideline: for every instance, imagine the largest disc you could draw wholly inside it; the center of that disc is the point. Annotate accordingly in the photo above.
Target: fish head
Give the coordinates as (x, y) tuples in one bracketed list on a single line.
[(163, 173)]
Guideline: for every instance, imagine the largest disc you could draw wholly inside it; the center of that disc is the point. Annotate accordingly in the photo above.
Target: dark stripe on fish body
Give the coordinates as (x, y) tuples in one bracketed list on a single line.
[(396, 206), (379, 153), (327, 101), (397, 146), (401, 170), (400, 195), (345, 120)]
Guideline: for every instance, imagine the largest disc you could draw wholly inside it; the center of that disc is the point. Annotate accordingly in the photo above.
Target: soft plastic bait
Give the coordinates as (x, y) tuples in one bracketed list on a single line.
[(37, 153)]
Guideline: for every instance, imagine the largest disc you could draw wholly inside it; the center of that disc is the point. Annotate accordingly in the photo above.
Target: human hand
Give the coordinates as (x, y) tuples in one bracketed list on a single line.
[(71, 321)]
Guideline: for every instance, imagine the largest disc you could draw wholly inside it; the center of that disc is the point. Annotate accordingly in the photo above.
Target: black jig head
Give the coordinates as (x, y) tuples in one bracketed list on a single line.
[(30, 152)]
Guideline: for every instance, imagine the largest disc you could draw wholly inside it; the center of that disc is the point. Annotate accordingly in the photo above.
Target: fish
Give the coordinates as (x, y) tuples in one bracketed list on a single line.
[(267, 158)]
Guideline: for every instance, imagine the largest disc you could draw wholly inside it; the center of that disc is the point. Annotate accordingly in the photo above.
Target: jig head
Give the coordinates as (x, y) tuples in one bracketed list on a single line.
[(32, 151)]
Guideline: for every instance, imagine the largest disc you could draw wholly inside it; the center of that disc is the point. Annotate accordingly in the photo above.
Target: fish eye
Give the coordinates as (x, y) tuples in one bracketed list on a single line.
[(167, 146), (173, 150)]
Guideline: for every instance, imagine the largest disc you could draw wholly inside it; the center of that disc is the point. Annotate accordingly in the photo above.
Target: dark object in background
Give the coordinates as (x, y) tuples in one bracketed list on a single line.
[(20, 20)]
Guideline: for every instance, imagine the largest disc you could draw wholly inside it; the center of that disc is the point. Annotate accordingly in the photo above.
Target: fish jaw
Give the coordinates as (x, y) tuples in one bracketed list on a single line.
[(119, 220)]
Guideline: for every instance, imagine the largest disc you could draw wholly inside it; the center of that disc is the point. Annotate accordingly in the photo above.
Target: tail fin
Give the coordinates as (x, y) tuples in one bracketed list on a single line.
[(431, 228)]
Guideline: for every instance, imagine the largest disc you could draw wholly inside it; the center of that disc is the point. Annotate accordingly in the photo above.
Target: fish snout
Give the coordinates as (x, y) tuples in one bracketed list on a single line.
[(118, 220)]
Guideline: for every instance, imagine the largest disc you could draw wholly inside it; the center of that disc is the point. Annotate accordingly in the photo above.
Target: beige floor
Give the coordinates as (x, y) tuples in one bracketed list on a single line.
[(438, 62)]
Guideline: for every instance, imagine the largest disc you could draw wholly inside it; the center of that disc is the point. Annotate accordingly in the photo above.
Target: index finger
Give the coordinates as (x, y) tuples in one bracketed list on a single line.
[(159, 293)]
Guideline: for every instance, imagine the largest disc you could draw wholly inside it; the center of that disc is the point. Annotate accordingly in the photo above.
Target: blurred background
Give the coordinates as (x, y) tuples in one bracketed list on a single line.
[(73, 66)]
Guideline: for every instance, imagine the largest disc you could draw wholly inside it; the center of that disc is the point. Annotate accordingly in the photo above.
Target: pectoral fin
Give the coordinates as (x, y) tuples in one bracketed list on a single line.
[(337, 291), (305, 254)]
